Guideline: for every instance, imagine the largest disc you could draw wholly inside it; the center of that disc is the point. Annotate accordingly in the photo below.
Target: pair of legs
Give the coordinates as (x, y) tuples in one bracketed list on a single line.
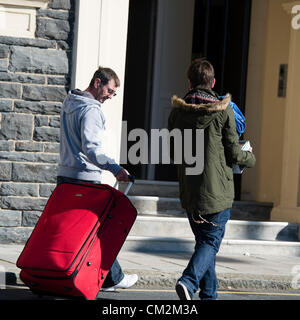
[(115, 274), (200, 272)]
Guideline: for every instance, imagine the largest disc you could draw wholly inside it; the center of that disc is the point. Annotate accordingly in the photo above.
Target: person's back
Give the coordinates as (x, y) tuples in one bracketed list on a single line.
[(207, 196), (213, 190)]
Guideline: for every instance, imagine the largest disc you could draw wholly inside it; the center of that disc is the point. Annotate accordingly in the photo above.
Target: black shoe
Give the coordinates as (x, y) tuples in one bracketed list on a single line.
[(182, 291)]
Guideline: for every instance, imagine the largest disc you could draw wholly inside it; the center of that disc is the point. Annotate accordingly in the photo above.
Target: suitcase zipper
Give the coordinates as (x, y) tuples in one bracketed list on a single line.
[(92, 241)]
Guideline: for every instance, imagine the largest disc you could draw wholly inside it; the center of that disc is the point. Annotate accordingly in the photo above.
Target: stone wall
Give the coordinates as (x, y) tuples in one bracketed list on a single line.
[(34, 79)]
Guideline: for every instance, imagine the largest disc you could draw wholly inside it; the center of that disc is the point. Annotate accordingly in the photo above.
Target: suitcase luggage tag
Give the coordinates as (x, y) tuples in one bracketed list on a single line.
[(131, 182)]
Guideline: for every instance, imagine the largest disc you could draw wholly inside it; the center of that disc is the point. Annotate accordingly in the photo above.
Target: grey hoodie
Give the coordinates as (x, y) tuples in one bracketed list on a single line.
[(81, 139)]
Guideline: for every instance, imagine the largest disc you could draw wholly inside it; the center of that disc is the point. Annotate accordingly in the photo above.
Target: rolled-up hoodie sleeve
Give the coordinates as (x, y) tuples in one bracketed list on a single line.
[(92, 135)]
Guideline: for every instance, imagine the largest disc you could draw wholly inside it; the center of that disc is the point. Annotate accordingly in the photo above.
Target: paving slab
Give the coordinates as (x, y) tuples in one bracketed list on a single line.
[(161, 270)]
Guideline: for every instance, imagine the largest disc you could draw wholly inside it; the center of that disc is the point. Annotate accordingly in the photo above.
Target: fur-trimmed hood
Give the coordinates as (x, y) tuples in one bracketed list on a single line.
[(208, 107), (187, 115)]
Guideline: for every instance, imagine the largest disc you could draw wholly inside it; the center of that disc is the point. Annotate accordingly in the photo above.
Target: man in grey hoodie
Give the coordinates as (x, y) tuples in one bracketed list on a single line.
[(82, 157)]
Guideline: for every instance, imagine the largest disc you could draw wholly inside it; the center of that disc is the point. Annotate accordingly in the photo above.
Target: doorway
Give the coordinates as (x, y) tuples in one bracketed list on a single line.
[(139, 72), (221, 34), (219, 31)]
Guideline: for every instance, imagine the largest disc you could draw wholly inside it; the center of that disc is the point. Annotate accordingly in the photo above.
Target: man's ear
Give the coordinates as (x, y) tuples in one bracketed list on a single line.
[(97, 83), (213, 83)]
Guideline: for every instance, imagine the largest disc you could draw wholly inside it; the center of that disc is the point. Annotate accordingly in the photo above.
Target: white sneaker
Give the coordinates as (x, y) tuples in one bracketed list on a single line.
[(182, 291), (128, 281)]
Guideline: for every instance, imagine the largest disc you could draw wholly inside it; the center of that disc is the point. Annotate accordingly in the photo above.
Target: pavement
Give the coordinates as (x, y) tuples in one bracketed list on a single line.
[(161, 270)]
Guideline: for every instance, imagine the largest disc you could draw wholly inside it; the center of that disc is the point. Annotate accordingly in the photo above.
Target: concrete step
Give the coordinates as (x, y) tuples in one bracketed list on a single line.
[(166, 206), (167, 189), (151, 226), (162, 197), (173, 234), (228, 246)]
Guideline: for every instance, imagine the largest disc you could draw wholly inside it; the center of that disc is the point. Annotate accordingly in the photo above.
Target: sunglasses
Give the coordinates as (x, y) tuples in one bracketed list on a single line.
[(111, 92)]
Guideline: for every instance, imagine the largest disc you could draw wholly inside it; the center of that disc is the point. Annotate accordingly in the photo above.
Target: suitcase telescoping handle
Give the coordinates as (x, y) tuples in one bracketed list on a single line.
[(131, 182)]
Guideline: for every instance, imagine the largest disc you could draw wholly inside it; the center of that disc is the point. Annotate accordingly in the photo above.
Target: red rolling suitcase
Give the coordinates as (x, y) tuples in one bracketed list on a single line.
[(76, 240)]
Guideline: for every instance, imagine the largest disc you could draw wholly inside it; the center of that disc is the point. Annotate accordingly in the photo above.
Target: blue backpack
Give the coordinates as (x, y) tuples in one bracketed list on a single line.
[(239, 118)]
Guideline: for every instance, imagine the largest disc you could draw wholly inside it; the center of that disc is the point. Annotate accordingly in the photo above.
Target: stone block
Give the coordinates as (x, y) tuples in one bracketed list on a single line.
[(53, 29), (23, 203), (5, 105), (5, 171), (60, 4), (46, 190), (41, 121), (37, 107), (36, 60), (46, 134), (51, 147), (28, 157), (30, 218), (29, 146), (6, 145), (17, 156), (60, 81), (27, 172), (28, 42), (15, 234), (22, 78), (19, 189), (63, 45), (55, 14), (47, 157), (44, 93), (3, 65), (10, 218), (54, 122), (3, 51), (10, 90), (16, 126)]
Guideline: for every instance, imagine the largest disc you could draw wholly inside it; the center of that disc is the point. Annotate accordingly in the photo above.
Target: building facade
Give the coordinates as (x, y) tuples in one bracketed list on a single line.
[(36, 40), (50, 46)]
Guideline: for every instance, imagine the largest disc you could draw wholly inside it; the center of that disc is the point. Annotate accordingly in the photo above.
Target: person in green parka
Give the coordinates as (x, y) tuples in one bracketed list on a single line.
[(208, 196)]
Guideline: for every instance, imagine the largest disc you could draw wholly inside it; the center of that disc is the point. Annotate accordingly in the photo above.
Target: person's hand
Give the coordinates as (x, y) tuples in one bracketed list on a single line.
[(123, 175)]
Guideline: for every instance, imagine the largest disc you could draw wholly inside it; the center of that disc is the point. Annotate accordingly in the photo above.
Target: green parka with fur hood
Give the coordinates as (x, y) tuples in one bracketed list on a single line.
[(211, 191)]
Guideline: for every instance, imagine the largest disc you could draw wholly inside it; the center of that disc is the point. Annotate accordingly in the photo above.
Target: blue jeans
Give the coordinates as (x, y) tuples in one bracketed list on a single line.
[(115, 274), (201, 272)]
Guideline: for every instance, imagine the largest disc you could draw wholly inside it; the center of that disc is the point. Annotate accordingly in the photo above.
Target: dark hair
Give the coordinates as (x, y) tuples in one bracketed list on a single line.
[(105, 74), (201, 73)]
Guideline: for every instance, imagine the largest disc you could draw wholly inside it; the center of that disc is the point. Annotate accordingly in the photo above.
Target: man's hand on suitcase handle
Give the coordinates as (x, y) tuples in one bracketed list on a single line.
[(125, 176)]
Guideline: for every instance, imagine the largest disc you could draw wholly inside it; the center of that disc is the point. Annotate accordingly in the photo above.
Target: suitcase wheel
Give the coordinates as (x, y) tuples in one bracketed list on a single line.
[(37, 293)]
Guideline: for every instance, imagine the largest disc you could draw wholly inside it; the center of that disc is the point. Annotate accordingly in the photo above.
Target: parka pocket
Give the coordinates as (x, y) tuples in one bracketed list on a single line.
[(228, 173)]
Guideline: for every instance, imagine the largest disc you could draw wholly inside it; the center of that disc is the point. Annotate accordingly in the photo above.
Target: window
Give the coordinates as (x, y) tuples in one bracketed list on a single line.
[(18, 17)]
